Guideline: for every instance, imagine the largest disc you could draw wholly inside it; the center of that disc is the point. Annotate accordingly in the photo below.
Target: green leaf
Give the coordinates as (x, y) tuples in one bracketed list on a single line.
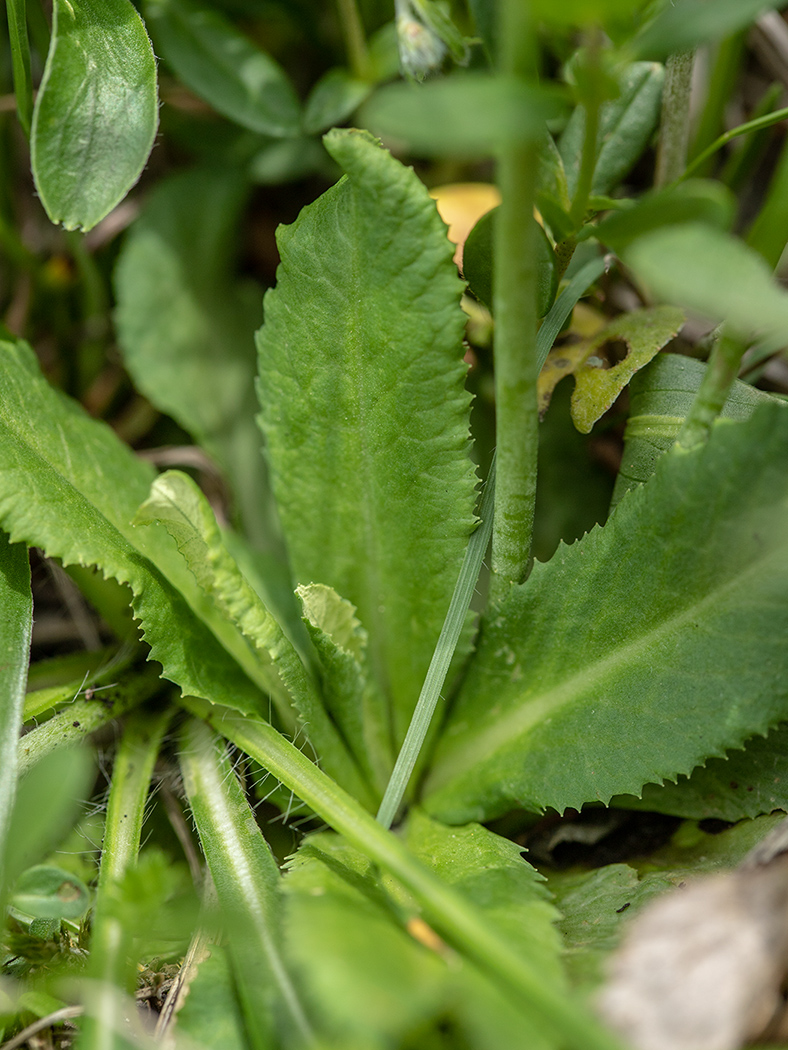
[(111, 962), (20, 61), (468, 114), (490, 871), (285, 160), (698, 200), (211, 1015), (96, 111), (351, 697), (224, 67), (595, 907), (625, 128), (660, 398), (186, 327), (745, 783), (176, 502), (573, 488), (582, 12), (390, 971), (364, 410), (552, 189), (46, 892), (451, 914), (662, 630), (246, 878), (423, 723), (16, 622), (332, 100), (478, 269), (683, 24), (381, 982), (69, 486), (42, 817), (597, 381), (713, 274)]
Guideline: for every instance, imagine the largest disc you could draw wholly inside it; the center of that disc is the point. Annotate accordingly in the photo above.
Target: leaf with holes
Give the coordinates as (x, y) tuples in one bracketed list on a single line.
[(599, 381)]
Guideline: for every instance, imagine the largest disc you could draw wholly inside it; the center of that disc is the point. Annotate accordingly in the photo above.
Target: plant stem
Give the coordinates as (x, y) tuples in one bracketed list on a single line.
[(514, 297), (20, 62), (674, 125), (246, 878), (449, 912), (355, 42), (78, 720), (441, 658), (591, 106), (110, 938), (722, 369)]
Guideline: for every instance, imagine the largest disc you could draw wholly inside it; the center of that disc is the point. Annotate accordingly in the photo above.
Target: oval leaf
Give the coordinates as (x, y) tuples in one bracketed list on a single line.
[(713, 274), (469, 114), (223, 66), (47, 892), (96, 112)]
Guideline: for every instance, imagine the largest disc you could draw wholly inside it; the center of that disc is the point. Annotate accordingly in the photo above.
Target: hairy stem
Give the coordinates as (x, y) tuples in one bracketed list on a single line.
[(246, 878), (514, 297), (15, 629), (122, 831), (674, 125), (79, 719), (449, 912)]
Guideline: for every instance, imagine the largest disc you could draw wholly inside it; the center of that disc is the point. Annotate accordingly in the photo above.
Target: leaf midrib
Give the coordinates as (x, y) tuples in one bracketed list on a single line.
[(510, 727)]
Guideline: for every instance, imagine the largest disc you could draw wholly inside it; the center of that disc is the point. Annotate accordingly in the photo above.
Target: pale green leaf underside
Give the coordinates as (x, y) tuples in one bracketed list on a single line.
[(69, 486), (713, 274), (350, 695), (177, 503), (491, 871), (385, 979), (186, 328), (380, 981), (16, 621), (638, 652), (96, 113), (364, 410)]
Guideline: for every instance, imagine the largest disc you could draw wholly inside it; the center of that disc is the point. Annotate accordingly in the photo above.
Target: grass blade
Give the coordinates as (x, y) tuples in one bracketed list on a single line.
[(441, 658), (20, 62)]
